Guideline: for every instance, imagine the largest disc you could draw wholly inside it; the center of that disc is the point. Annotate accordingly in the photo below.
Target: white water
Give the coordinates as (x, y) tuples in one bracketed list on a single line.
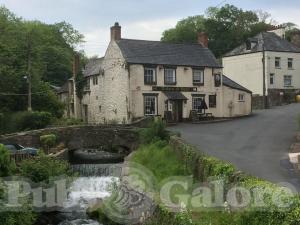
[(83, 193)]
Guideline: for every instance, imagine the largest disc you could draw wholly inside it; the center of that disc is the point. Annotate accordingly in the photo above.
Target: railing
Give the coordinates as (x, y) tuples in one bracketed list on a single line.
[(19, 157)]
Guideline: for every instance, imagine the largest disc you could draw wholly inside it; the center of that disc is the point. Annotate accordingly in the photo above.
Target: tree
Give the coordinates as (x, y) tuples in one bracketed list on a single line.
[(227, 27), (45, 51), (7, 166)]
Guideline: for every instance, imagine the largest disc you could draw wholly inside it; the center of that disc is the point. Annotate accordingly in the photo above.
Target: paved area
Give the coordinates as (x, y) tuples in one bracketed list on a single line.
[(257, 144)]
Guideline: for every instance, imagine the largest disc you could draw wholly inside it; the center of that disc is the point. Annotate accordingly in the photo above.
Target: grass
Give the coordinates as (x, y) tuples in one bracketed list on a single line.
[(160, 159)]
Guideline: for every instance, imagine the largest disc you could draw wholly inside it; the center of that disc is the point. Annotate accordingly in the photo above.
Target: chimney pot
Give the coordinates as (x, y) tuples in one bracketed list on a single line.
[(115, 32), (203, 39)]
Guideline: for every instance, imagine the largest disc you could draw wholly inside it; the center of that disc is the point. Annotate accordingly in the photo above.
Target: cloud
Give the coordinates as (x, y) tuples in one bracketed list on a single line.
[(97, 39)]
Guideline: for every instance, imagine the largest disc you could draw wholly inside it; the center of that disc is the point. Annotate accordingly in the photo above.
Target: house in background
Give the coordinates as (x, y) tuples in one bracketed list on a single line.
[(67, 94), (138, 78), (278, 79)]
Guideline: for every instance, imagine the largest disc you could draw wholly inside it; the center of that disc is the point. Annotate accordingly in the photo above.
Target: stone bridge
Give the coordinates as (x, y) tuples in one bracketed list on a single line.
[(80, 137)]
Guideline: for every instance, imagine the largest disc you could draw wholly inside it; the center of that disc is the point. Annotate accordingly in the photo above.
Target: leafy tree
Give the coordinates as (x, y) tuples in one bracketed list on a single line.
[(227, 27), (7, 166), (43, 50)]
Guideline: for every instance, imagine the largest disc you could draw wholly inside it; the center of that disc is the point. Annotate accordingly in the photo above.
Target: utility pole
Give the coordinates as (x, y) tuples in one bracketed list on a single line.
[(264, 75), (29, 71)]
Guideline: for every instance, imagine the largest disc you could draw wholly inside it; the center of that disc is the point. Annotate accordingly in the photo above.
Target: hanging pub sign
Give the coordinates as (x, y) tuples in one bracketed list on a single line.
[(217, 80), (180, 89)]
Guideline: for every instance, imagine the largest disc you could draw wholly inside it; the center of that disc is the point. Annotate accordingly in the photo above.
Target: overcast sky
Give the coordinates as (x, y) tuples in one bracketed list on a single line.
[(140, 19)]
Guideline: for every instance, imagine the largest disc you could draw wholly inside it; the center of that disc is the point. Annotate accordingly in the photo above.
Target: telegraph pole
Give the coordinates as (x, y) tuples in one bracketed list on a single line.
[(29, 72), (264, 75)]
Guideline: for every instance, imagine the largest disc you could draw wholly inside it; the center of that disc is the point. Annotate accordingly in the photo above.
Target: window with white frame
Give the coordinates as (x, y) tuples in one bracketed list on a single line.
[(287, 80), (241, 97), (290, 63), (197, 103), (150, 75), (277, 62), (272, 78), (150, 105), (198, 76), (170, 76)]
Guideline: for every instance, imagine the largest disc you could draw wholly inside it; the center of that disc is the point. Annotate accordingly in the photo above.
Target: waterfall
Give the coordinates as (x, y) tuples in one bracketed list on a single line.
[(90, 188), (99, 170)]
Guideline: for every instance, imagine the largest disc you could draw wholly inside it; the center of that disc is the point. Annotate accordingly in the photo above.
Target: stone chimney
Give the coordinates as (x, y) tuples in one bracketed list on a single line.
[(76, 62), (115, 32), (203, 39), (295, 39)]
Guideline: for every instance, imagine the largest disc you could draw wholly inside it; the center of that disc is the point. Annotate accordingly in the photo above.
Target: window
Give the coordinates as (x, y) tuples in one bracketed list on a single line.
[(287, 80), (212, 101), (272, 78), (95, 80), (150, 75), (170, 76), (150, 105), (290, 63), (277, 62), (197, 103), (198, 76), (241, 97)]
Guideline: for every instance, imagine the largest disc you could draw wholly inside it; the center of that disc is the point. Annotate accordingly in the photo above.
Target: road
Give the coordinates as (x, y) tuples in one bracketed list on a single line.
[(258, 144)]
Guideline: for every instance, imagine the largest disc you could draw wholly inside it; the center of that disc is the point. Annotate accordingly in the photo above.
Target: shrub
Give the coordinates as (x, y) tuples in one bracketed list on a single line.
[(34, 120), (164, 217), (67, 122), (213, 167), (7, 166), (156, 131), (43, 168), (48, 141)]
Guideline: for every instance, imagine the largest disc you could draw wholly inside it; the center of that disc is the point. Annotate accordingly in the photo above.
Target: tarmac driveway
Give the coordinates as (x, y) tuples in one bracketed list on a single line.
[(257, 144)]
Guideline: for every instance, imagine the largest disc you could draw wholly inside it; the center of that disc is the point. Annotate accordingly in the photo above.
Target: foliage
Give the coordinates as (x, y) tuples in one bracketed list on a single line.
[(160, 159), (47, 100), (26, 217), (47, 48), (44, 168), (7, 166), (156, 131), (213, 167), (227, 27), (164, 217), (32, 120), (48, 141)]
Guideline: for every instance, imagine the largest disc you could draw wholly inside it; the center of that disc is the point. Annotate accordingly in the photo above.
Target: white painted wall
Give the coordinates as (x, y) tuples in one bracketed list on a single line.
[(279, 73), (247, 70)]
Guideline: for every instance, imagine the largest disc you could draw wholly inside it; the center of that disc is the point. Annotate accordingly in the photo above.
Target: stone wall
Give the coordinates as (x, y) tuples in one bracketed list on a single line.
[(75, 137), (257, 102), (275, 98)]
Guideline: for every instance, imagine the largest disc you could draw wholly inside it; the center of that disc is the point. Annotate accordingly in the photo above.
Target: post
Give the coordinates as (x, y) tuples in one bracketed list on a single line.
[(264, 76), (29, 72)]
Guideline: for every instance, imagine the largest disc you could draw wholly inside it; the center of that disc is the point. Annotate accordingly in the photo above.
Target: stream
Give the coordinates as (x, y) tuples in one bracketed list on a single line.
[(87, 190)]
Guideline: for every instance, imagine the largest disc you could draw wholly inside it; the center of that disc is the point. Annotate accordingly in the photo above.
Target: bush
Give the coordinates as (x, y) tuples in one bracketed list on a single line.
[(43, 168), (7, 166), (48, 141), (34, 120), (156, 131)]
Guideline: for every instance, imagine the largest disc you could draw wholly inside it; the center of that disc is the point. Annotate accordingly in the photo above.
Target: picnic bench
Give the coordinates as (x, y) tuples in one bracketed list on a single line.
[(197, 116)]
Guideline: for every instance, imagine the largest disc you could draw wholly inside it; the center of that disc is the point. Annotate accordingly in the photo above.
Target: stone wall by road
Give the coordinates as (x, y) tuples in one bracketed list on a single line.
[(75, 137)]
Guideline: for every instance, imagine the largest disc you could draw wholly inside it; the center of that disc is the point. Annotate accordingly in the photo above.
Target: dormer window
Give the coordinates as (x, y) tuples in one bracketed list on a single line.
[(250, 44)]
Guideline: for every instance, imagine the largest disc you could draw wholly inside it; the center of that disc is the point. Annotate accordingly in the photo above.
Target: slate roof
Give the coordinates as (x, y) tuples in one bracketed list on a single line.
[(93, 67), (271, 41), (64, 88), (232, 84), (162, 53), (175, 95)]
